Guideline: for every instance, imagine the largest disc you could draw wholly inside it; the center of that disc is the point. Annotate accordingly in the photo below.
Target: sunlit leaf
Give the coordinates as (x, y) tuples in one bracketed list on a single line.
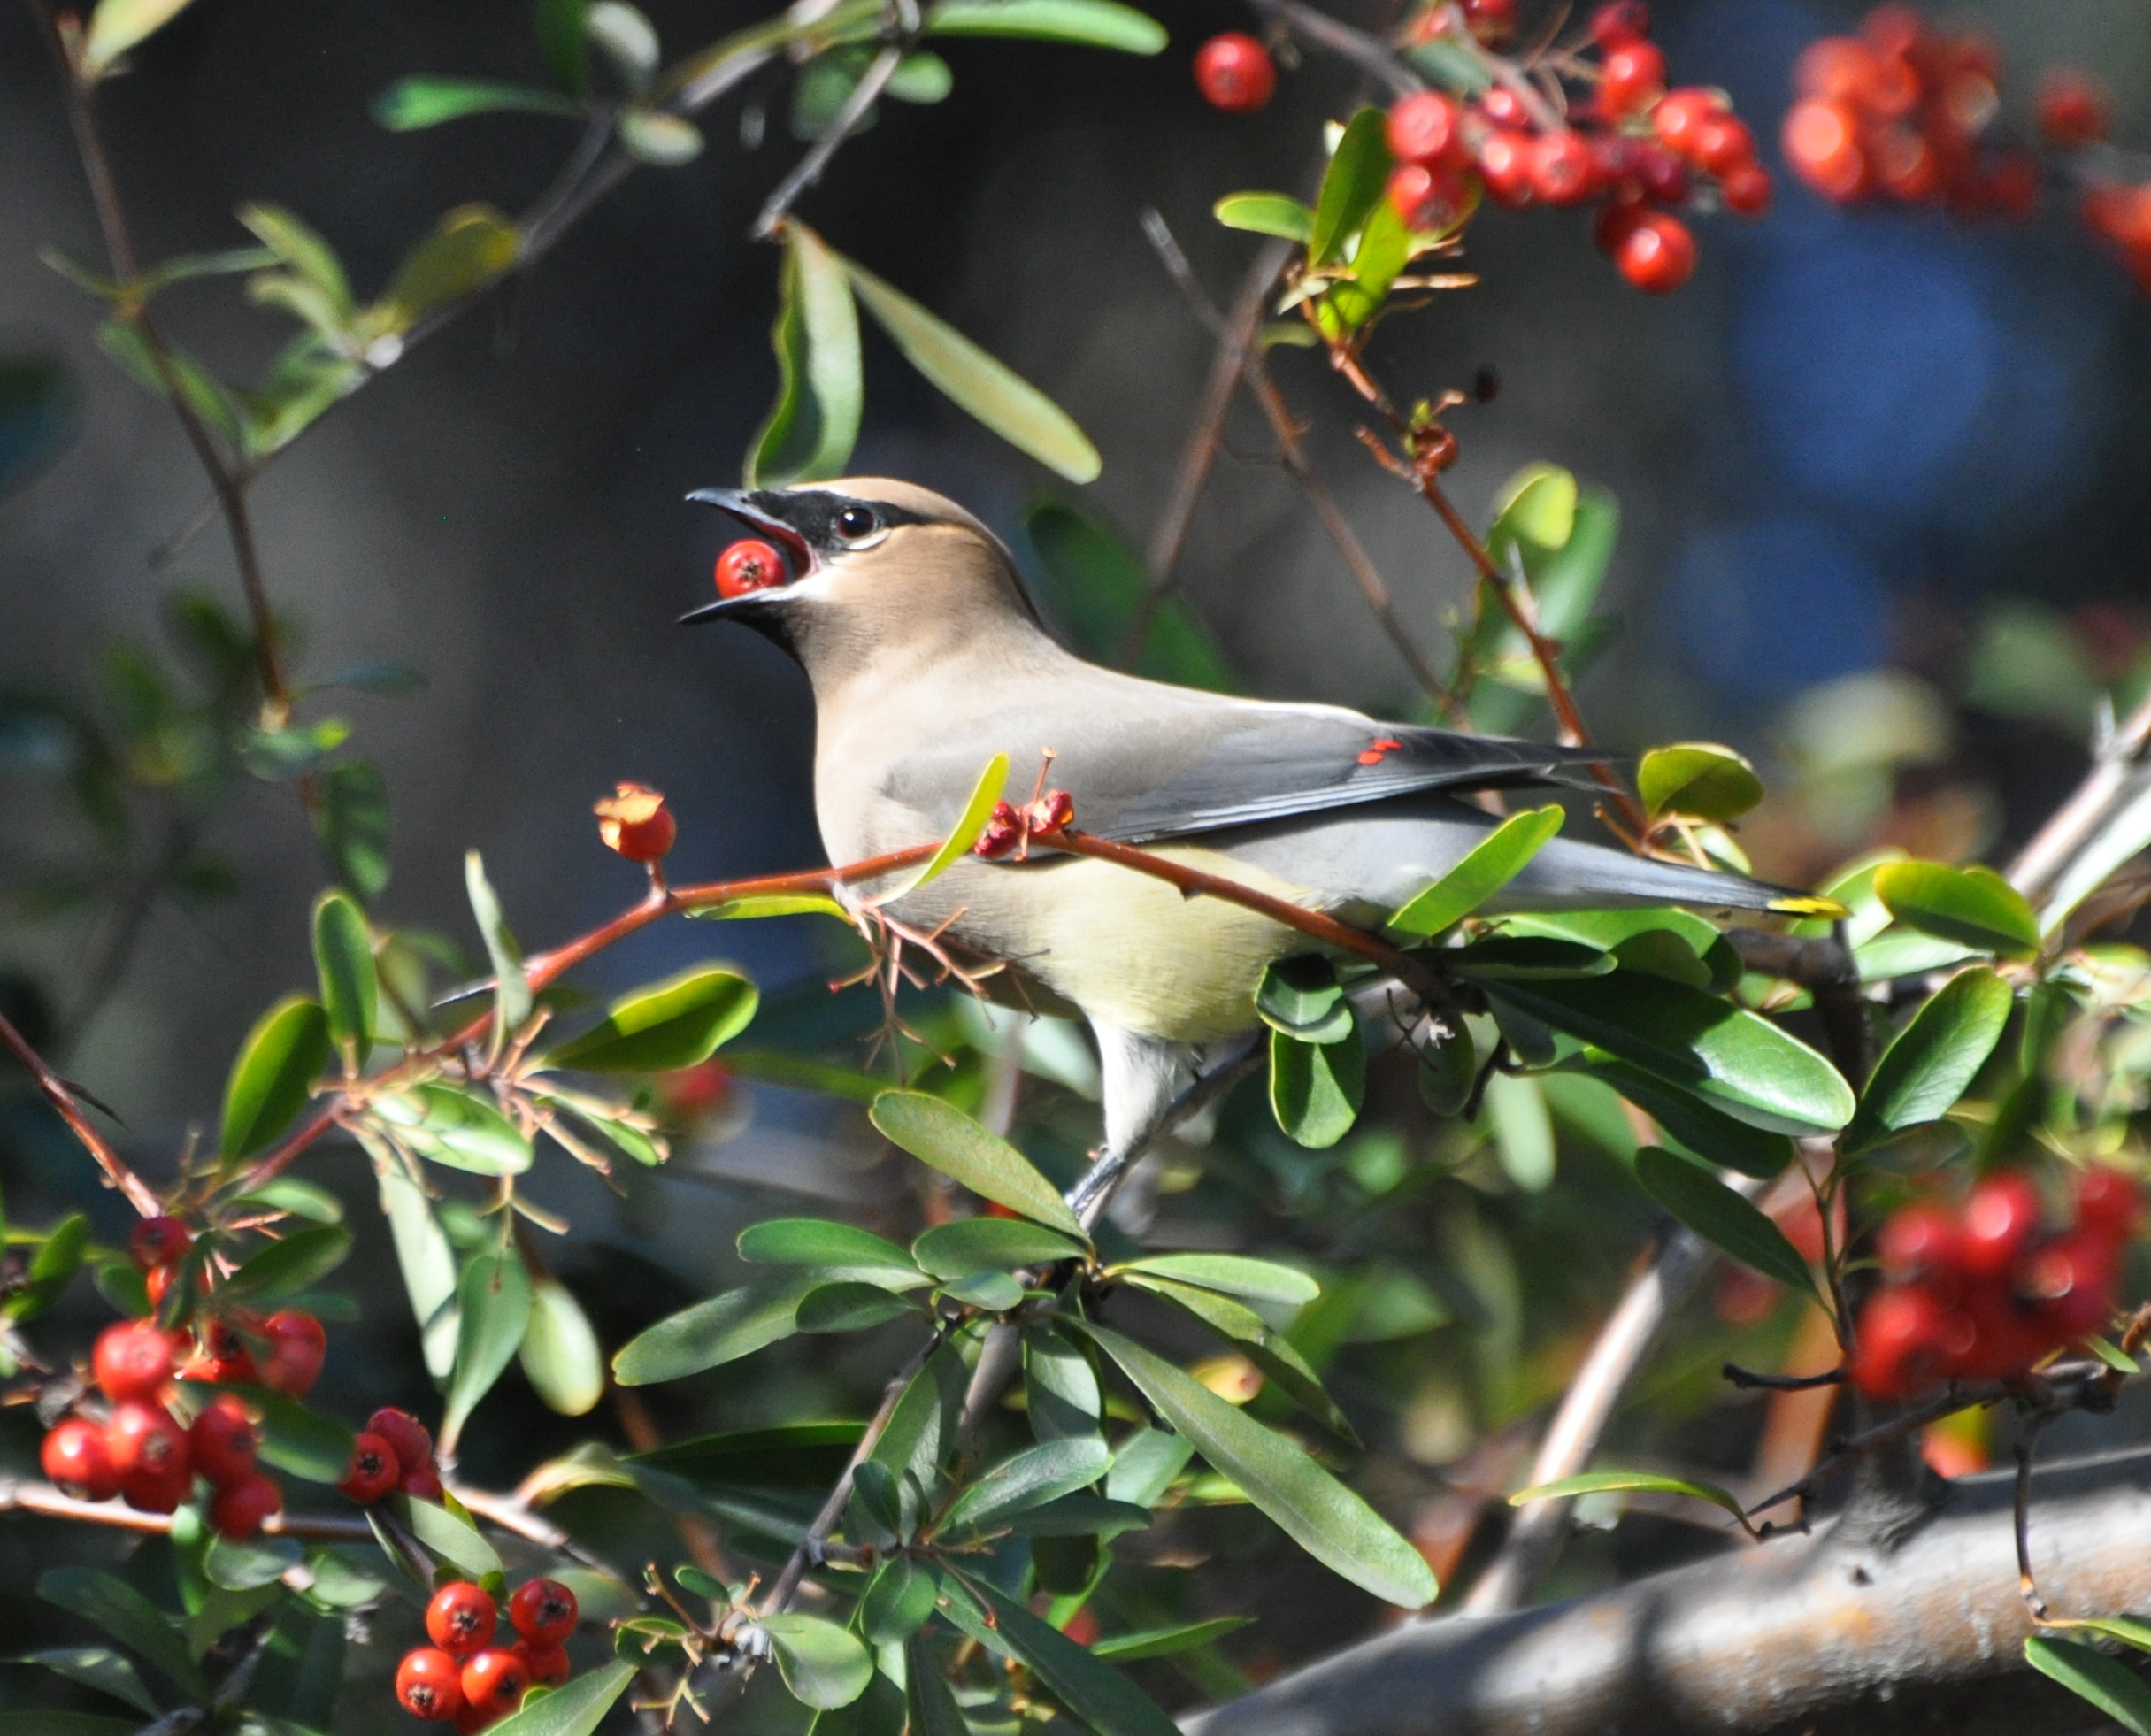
[(1536, 508), (1352, 185), (849, 1305), (302, 1442), (1490, 866), (1973, 906), (511, 997), (1103, 24), (411, 104), (820, 1241), (719, 1330), (2106, 1683), (975, 1244), (456, 1127), (655, 137), (117, 26), (422, 1252), (678, 1022), (304, 251), (1275, 214), (1303, 998), (493, 1302), (1641, 1482), (1722, 1217), (1699, 781), (1060, 1387), (1094, 1691), (470, 247), (447, 1535), (559, 1351), (978, 810), (271, 1075), (1234, 1274), (1165, 1641), (291, 1264), (1027, 1479), (944, 1137), (1930, 1064), (820, 1662)]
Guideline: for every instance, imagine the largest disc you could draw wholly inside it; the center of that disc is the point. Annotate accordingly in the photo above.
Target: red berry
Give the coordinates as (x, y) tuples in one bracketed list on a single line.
[(1889, 88), (224, 1357), (297, 1344), (1919, 1242), (1833, 69), (1658, 254), (634, 821), (132, 1360), (547, 1662), (1618, 23), (1899, 1346), (1747, 190), (1424, 199), (158, 1241), (158, 1281), (2073, 110), (1426, 127), (373, 1470), (1722, 143), (1633, 79), (221, 1442), (429, 1685), (1610, 228), (143, 1439), (1562, 169), (544, 1609), (2014, 184), (461, 1619), (2070, 1282), (2000, 1218), (2007, 1336), (1664, 176), (1894, 29), (1491, 22), (748, 565), (421, 1482), (1502, 107), (237, 1512), (1505, 159), (76, 1462), (1234, 72), (1822, 147), (405, 1434), (495, 1680), (2109, 1203), (1680, 112)]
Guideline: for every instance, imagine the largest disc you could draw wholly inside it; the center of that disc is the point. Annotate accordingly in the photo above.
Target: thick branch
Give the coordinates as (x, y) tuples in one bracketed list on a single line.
[(1825, 1631)]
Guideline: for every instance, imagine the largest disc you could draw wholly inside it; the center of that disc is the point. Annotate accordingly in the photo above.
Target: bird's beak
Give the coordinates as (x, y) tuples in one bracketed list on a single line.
[(796, 546)]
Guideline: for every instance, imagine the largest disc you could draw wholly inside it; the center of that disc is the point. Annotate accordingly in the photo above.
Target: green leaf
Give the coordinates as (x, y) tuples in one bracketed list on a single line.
[(412, 104), (1147, 1461), (849, 1306), (792, 1455), (929, 1705), (52, 1268), (452, 1538), (302, 1442), (1490, 866), (1930, 1064), (1384, 247), (1735, 1060), (655, 137), (820, 1662), (1303, 998), (1974, 906), (271, 1075), (1698, 780), (897, 1601), (995, 1292), (296, 1263), (942, 1137), (1536, 508), (1316, 1089), (1094, 1691), (819, 1241), (350, 983), (973, 380), (2126, 1629), (1269, 1351), (1317, 1511), (1001, 1244), (1275, 214), (469, 249), (560, 25), (721, 1329), (302, 249), (921, 77), (422, 1252), (1695, 1125), (1086, 23), (238, 1566), (351, 821), (97, 1667), (1165, 1641), (1608, 1482), (493, 1303), (1540, 957), (575, 1708), (1060, 1387), (1097, 586), (1026, 1480), (455, 1128), (814, 424), (985, 796), (1721, 1216), (302, 1199), (2106, 1683), (511, 997), (678, 1022), (1351, 186), (1080, 1516), (117, 26), (772, 904), (128, 1617), (559, 1351), (1234, 1274)]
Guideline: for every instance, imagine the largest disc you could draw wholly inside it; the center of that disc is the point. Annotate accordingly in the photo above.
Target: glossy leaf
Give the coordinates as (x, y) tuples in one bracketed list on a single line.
[(1540, 957), (128, 1617), (930, 1705), (52, 1268), (1303, 998), (575, 1708), (559, 1351), (1522, 1130), (1094, 1691), (1003, 1244), (451, 1538), (1060, 1387), (2106, 1683), (470, 248), (117, 26), (1234, 1274), (97, 1667), (1974, 906), (978, 810), (1930, 1062), (1321, 1514), (1146, 1462), (944, 1137), (1027, 1479), (754, 908), (1275, 214), (1086, 23), (821, 1241), (1269, 1351), (300, 1442), (721, 1329), (1355, 181), (350, 981), (511, 997), (1722, 1217), (493, 1303), (815, 422), (412, 104), (896, 1602), (1536, 508), (1644, 1482), (995, 1292), (1316, 1089), (273, 1074), (973, 380), (821, 1663), (1165, 1641), (1490, 864), (678, 1022), (1695, 1126), (457, 1128), (1698, 780), (423, 1253), (2126, 1629), (296, 1263), (849, 1306), (1733, 1059), (351, 821), (925, 1420), (792, 1455)]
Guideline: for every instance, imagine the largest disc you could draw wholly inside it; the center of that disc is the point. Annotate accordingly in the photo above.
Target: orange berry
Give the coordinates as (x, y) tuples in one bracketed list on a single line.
[(634, 821), (461, 1620), (429, 1685)]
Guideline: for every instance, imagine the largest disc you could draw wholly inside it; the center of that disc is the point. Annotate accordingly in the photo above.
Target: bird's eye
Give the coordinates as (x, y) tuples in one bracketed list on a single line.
[(854, 522)]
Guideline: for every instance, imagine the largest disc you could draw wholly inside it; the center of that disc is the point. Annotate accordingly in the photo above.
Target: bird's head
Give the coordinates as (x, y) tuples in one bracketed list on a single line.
[(870, 566)]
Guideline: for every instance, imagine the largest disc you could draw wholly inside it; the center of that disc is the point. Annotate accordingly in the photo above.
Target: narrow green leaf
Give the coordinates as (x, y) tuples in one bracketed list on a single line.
[(1536, 508), (1269, 1350), (128, 1617), (1236, 1274), (493, 1302), (350, 983), (1060, 1387), (1094, 1691), (1314, 1509), (822, 1664), (559, 1351), (2113, 1356), (412, 104), (1355, 181), (1930, 1064), (1316, 1089), (2126, 1629), (820, 1241), (1695, 1125), (1607, 1482), (1721, 1216), (351, 821), (973, 380), (271, 1075), (1165, 1641), (1027, 1479), (1145, 1464), (985, 796), (238, 1566), (301, 1199), (808, 1456), (1698, 780), (719, 1330), (52, 1268), (470, 247), (1490, 864), (1087, 1516), (1974, 906), (294, 1262), (422, 1252), (511, 997), (930, 1706), (814, 424), (117, 26), (1003, 1244), (300, 247), (2106, 1683), (455, 1542), (1086, 23), (1275, 214), (97, 1667), (942, 1137), (453, 1126), (678, 1022), (1538, 957), (772, 904)]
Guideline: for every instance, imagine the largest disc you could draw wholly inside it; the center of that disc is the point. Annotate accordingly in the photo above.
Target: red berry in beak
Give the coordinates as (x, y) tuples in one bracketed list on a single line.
[(749, 565)]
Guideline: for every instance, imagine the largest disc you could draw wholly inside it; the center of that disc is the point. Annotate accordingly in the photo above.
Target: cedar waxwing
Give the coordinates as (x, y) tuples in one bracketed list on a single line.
[(926, 659)]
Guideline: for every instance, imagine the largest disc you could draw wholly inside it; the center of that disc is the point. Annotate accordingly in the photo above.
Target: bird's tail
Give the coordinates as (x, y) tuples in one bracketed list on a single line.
[(1568, 874)]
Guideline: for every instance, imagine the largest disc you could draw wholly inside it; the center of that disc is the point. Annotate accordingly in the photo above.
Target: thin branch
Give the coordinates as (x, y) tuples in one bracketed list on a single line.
[(1369, 53), (863, 97), (117, 1174), (1748, 1379), (2077, 823)]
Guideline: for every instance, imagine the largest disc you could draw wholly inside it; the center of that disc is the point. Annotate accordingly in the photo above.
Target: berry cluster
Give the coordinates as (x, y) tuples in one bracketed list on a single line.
[(1987, 1292), (1901, 113), (1010, 830), (392, 1455), (137, 1449), (464, 1676)]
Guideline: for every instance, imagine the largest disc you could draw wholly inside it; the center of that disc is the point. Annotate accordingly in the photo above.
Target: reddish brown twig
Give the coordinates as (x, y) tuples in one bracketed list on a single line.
[(117, 1174)]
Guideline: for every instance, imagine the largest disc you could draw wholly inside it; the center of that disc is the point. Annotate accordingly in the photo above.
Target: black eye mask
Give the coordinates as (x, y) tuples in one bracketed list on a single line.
[(824, 520)]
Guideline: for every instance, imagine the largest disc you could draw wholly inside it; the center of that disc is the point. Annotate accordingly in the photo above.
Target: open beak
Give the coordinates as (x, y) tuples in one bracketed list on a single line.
[(796, 546)]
